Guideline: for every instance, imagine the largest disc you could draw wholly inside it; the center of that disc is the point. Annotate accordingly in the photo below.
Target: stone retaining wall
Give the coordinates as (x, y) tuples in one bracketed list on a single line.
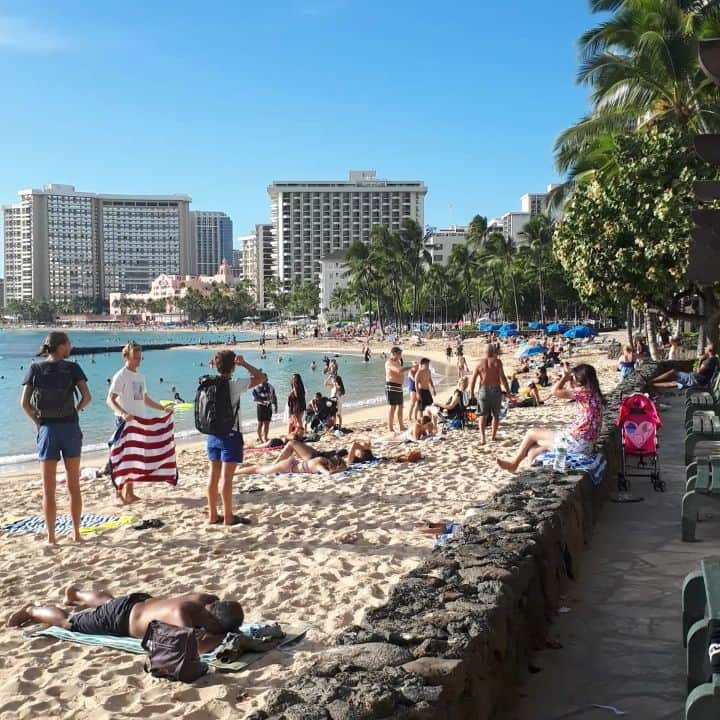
[(456, 635)]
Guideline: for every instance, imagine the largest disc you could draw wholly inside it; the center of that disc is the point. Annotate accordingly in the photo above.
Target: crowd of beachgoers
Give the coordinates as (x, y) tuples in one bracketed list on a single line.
[(306, 524)]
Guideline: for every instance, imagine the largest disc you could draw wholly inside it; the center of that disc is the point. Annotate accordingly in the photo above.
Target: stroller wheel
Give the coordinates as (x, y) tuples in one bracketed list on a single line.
[(622, 484), (658, 484)]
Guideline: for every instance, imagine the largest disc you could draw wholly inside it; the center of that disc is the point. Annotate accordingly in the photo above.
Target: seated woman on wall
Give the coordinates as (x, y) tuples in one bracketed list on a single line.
[(580, 437)]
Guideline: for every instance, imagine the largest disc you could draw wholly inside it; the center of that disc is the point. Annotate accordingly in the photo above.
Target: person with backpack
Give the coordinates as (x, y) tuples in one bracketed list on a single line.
[(48, 399), (217, 415), (266, 402), (128, 398)]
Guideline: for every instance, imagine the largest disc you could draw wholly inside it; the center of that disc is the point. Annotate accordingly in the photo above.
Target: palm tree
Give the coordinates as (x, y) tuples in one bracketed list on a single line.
[(642, 67), (538, 232), (462, 265), (414, 251), (500, 251)]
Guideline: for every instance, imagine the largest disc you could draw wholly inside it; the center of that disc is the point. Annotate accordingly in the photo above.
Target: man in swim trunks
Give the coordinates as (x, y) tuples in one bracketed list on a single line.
[(394, 387), (491, 376), (424, 386), (130, 615)]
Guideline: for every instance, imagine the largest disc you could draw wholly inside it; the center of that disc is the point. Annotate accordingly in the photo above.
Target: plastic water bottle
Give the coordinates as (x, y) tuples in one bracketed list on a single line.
[(504, 405), (560, 461)]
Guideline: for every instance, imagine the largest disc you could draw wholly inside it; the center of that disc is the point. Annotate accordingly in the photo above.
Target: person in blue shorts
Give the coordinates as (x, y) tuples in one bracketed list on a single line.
[(49, 396), (707, 366), (226, 451)]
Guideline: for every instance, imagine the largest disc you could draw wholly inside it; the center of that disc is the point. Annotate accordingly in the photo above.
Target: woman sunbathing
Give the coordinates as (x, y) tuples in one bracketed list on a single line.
[(298, 458)]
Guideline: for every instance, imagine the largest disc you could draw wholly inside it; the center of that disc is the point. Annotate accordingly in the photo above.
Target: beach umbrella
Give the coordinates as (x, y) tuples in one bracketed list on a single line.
[(508, 326), (580, 331), (508, 332), (533, 350), (536, 326), (557, 328)]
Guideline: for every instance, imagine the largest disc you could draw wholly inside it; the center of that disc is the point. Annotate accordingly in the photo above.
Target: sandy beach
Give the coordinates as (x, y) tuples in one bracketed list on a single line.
[(320, 551)]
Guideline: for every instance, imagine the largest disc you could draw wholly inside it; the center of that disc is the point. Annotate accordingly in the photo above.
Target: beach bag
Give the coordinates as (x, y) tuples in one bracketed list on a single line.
[(172, 652), (214, 413), (50, 403)]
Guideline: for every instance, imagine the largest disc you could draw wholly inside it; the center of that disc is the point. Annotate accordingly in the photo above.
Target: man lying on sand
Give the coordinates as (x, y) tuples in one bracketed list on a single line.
[(130, 615)]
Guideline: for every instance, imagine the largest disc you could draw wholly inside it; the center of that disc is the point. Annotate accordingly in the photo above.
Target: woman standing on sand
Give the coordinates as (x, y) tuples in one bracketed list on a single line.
[(48, 399), (296, 407)]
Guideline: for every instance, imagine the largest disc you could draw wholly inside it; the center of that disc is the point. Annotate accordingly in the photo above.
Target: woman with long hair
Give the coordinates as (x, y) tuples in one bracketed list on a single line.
[(50, 400), (337, 392), (296, 407), (581, 385)]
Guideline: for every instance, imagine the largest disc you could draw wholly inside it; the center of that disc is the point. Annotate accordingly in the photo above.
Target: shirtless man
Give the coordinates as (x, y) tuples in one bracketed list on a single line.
[(424, 386), (394, 387), (130, 615), (489, 372)]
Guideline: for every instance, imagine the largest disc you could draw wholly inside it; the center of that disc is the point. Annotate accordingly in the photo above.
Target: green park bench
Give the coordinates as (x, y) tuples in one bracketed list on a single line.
[(700, 604), (702, 484), (704, 425), (699, 398)]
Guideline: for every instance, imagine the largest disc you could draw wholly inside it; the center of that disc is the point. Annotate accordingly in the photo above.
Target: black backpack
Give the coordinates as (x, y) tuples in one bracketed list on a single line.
[(214, 413), (51, 403), (172, 652)]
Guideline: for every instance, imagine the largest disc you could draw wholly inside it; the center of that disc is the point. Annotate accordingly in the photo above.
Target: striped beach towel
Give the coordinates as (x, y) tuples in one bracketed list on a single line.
[(145, 452), (63, 524)]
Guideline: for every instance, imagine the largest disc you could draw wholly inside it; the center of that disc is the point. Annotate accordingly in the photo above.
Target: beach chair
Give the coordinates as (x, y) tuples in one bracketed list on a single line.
[(702, 484), (703, 398), (702, 427), (700, 604)]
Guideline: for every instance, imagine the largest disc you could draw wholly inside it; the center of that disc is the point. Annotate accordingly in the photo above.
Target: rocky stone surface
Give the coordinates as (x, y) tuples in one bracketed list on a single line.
[(456, 635)]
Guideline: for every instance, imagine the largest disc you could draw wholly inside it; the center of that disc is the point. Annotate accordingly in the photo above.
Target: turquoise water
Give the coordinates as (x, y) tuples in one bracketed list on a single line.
[(179, 367)]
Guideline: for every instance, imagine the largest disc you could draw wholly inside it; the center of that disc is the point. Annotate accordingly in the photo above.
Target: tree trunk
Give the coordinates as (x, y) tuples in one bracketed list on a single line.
[(711, 306), (651, 332), (630, 314)]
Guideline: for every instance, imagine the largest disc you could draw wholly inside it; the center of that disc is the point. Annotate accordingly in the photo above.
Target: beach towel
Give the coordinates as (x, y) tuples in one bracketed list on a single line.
[(145, 452), (593, 465), (294, 635), (63, 524)]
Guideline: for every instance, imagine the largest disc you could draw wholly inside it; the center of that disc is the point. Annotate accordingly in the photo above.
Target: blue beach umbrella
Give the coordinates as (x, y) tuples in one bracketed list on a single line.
[(508, 326), (557, 328), (508, 332), (581, 331), (488, 327), (533, 350), (536, 326)]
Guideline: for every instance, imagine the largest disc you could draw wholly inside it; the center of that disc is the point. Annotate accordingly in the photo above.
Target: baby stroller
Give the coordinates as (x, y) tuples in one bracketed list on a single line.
[(638, 422)]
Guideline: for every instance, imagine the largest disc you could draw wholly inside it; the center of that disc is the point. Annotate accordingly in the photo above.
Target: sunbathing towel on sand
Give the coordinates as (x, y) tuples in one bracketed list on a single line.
[(294, 634), (63, 525)]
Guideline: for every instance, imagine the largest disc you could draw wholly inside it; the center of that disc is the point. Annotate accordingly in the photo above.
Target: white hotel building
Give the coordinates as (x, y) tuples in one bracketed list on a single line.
[(311, 220), (62, 244)]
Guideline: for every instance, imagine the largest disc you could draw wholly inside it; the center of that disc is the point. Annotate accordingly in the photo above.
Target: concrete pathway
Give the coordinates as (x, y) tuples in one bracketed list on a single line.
[(621, 641)]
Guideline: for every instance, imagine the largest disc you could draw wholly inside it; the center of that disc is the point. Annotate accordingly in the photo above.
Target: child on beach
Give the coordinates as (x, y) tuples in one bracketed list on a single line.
[(226, 451), (48, 399), (127, 398)]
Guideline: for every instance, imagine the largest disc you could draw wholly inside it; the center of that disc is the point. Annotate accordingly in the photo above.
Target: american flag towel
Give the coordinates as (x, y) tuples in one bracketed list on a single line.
[(145, 452)]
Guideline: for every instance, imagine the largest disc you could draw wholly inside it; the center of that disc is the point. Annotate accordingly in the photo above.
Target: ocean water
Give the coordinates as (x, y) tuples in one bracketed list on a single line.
[(364, 382)]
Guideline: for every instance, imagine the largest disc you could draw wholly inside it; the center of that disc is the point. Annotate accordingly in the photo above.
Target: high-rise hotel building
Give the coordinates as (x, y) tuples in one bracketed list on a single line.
[(213, 240), (62, 244), (313, 219)]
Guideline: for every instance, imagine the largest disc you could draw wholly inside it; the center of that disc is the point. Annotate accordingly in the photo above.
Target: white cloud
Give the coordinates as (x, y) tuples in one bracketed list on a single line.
[(24, 35)]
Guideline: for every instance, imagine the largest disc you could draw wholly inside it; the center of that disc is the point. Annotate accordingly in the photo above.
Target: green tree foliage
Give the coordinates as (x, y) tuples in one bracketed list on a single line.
[(627, 239)]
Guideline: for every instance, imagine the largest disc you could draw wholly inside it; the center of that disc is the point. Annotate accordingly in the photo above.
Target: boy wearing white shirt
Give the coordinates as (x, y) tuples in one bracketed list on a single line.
[(128, 398)]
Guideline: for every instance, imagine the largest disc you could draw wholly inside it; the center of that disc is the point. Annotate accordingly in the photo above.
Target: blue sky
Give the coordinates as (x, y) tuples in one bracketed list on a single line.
[(218, 99)]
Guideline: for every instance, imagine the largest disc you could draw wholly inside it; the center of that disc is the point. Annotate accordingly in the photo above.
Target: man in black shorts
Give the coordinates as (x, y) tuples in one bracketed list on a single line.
[(130, 615), (424, 385), (394, 371), (265, 402)]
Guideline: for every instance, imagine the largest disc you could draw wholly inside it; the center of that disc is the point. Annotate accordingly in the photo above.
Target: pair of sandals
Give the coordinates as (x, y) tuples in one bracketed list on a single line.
[(236, 520)]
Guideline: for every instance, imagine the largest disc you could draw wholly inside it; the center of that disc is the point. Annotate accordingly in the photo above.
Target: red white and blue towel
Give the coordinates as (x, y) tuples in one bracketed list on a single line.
[(145, 452)]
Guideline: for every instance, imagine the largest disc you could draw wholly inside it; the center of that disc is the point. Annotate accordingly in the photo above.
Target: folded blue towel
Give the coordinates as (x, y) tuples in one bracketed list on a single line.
[(593, 465)]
